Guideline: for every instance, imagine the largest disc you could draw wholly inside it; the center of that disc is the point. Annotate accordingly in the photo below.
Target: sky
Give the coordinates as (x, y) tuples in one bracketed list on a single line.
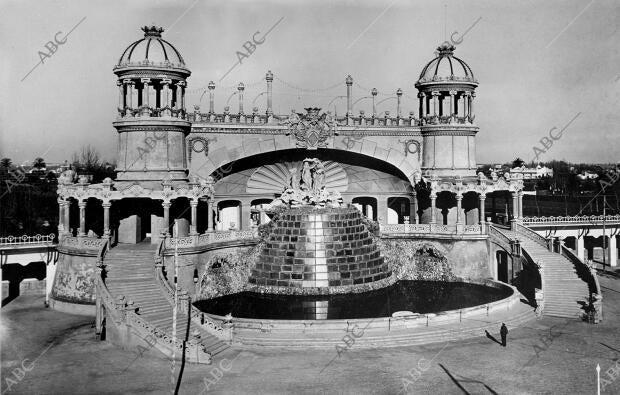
[(540, 64)]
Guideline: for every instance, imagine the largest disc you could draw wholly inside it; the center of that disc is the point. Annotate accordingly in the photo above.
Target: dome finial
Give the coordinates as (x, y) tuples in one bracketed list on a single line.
[(152, 31), (446, 48)]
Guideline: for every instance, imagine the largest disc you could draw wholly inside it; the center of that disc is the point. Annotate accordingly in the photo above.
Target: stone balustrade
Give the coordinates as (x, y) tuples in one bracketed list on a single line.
[(358, 120), (574, 219), (209, 238), (82, 243), (431, 229)]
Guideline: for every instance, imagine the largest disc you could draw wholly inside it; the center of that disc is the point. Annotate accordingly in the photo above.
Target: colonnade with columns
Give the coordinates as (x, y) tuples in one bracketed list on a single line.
[(450, 103), (151, 96), (584, 240), (64, 215)]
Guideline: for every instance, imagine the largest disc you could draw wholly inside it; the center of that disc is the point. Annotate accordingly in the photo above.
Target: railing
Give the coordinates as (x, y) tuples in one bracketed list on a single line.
[(274, 120), (83, 242), (209, 238), (150, 112), (430, 229), (447, 120), (211, 326), (583, 270), (496, 233), (577, 219), (105, 247), (122, 313), (530, 234), (27, 240)]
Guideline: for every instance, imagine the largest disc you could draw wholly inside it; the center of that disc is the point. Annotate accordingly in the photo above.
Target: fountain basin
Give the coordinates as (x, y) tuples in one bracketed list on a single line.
[(385, 331)]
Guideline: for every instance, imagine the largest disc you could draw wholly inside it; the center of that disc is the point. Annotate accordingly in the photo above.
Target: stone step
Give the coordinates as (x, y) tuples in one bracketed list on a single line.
[(409, 337)]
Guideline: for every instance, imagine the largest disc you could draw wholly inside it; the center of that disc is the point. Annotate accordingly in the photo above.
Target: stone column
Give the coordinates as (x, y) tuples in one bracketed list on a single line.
[(61, 215), (452, 103), (435, 103), (459, 201), (515, 205), (67, 215), (194, 225), (382, 210), (165, 99), (483, 197), (612, 252), (121, 94), (466, 104), (145, 91), (269, 78), (177, 87), (520, 204), (422, 97), (166, 206), (106, 218), (181, 91), (211, 88), (399, 94), (82, 206), (349, 82), (130, 92), (245, 211), (209, 215), (471, 104), (413, 210), (240, 88), (433, 208), (579, 245)]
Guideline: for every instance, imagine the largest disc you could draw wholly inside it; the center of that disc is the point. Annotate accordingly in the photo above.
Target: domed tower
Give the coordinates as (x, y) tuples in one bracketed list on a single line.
[(446, 90), (151, 123)]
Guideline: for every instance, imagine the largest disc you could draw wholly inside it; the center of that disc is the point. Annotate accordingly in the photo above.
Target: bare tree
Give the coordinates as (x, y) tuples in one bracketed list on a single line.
[(89, 161), (86, 160)]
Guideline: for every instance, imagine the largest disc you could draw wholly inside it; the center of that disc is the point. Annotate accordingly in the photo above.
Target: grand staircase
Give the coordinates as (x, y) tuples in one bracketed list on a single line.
[(563, 289), (130, 272)]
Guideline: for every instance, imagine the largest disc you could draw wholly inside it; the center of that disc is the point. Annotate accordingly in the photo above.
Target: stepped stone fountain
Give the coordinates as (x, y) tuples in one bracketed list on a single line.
[(315, 242)]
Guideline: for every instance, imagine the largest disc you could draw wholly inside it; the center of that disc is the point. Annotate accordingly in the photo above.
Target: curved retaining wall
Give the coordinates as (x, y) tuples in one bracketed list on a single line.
[(383, 330), (73, 288)]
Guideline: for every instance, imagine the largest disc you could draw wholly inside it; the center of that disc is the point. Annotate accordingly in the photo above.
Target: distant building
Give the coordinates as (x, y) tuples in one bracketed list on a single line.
[(531, 173), (587, 175)]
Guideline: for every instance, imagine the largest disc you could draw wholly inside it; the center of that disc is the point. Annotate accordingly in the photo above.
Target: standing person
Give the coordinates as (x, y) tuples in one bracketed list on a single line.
[(504, 332)]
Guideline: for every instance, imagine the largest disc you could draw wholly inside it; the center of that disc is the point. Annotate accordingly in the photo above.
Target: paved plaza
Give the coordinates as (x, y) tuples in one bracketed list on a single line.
[(59, 354)]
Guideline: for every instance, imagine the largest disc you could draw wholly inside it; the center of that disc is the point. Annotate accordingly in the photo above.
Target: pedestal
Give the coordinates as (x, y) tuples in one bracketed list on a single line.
[(130, 230)]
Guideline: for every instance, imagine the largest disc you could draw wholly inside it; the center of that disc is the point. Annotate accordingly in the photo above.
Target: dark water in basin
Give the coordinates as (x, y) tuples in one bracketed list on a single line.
[(416, 296)]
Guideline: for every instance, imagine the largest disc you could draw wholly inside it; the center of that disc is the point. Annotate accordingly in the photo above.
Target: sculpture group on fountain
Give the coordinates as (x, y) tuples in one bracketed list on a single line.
[(307, 187)]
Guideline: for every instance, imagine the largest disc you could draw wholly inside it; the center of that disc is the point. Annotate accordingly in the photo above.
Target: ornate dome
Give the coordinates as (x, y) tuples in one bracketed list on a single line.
[(446, 67), (152, 50)]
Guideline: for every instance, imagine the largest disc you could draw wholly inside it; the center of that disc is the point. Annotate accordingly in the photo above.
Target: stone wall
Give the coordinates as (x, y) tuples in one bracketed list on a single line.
[(225, 271), (74, 280), (436, 260)]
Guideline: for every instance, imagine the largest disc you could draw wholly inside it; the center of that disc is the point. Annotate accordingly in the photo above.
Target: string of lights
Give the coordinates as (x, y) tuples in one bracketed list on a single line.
[(235, 86), (292, 86)]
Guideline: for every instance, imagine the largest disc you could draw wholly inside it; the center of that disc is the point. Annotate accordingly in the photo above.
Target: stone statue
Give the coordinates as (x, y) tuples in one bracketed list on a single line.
[(293, 182), (318, 179), (308, 189), (306, 175)]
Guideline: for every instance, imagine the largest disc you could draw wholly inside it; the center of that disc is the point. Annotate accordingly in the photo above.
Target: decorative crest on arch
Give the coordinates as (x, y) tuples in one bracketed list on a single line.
[(311, 129)]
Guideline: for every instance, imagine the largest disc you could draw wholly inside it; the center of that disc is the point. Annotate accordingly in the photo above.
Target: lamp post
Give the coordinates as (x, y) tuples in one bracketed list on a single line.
[(175, 308)]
